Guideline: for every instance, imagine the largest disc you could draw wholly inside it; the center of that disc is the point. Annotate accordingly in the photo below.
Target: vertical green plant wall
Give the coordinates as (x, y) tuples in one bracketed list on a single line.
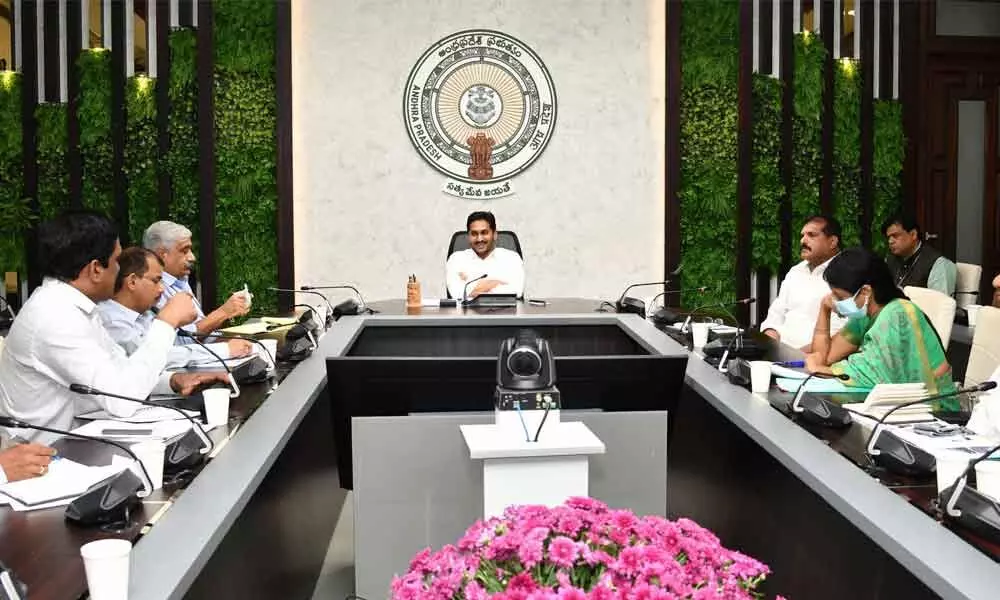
[(94, 114), (53, 175), (14, 211), (806, 130), (246, 148), (768, 187), (847, 150), (708, 104), (140, 155), (887, 166), (182, 158)]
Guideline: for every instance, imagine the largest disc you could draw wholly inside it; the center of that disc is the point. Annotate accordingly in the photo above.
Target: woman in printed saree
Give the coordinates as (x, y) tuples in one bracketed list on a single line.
[(887, 339)]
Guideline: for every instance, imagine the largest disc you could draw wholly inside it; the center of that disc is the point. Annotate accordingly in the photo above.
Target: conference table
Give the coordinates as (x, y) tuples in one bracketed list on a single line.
[(257, 519)]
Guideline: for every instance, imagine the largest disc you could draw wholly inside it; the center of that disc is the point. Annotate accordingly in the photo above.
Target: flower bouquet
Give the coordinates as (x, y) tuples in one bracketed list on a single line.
[(581, 550)]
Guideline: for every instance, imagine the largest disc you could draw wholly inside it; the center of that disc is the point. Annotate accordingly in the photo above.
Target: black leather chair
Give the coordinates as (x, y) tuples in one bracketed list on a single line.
[(505, 239)]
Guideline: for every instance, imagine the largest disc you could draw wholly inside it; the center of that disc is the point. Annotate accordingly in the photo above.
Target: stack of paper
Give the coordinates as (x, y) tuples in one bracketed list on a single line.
[(64, 481), (885, 397)]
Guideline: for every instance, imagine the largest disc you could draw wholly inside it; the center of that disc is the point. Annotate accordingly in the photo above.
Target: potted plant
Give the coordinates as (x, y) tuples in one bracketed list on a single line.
[(581, 550)]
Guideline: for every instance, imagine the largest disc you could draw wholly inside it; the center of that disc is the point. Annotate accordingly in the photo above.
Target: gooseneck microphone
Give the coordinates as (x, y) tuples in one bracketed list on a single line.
[(465, 291), (235, 393), (687, 322), (305, 291), (207, 443), (364, 305), (818, 410), (969, 506), (229, 336), (106, 501), (900, 456)]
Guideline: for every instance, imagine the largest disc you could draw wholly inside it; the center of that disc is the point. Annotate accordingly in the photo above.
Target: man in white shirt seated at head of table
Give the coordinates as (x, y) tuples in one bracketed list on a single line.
[(172, 243), (58, 339), (128, 316), (792, 316), (504, 269)]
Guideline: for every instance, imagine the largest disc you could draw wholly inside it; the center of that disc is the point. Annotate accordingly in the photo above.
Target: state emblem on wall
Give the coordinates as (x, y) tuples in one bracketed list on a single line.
[(480, 107)]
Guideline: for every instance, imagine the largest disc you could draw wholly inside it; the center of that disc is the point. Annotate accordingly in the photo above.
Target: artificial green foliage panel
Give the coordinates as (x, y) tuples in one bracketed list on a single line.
[(847, 150), (768, 186), (181, 161), (245, 148), (707, 191), (807, 164), (53, 174), (887, 166), (94, 114), (710, 38), (140, 155), (14, 211)]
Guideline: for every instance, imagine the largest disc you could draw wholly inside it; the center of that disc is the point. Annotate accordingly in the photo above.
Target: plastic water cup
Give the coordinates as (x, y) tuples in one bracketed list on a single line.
[(988, 478), (760, 376), (106, 563), (272, 350), (699, 334), (950, 466), (151, 454), (216, 406), (972, 311)]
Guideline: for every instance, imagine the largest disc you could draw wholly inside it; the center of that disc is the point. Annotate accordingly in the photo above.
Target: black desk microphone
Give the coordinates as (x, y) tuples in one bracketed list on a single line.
[(819, 410), (183, 453), (900, 456), (465, 290), (970, 507), (107, 501)]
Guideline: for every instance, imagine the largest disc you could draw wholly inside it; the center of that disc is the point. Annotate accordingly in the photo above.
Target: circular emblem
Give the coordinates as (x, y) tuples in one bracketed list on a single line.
[(479, 106)]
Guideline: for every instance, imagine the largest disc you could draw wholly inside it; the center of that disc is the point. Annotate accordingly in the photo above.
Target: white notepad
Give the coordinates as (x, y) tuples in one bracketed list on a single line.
[(146, 414), (64, 480)]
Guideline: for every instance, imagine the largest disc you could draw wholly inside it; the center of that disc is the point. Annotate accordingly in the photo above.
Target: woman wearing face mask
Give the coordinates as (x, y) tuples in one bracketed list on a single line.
[(887, 339)]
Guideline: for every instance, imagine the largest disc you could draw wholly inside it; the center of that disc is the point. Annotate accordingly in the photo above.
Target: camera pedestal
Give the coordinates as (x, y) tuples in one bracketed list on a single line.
[(546, 472)]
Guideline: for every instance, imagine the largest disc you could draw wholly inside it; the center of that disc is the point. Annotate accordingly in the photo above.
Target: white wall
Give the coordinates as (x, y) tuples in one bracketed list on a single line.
[(369, 210)]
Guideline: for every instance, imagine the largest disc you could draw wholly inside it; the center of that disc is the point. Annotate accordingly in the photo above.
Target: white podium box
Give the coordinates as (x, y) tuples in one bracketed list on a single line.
[(546, 472)]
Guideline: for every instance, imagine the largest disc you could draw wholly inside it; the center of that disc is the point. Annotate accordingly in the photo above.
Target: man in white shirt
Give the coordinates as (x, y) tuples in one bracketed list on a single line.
[(58, 339), (127, 315), (792, 316), (172, 243), (504, 269)]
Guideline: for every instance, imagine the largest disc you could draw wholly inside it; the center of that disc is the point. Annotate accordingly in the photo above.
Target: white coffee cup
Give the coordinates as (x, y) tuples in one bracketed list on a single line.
[(106, 563), (950, 466), (972, 311), (760, 376), (216, 405), (699, 334), (988, 478), (272, 350), (151, 454)]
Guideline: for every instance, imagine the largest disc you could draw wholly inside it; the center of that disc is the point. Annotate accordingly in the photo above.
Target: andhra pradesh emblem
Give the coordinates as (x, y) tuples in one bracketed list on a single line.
[(480, 107)]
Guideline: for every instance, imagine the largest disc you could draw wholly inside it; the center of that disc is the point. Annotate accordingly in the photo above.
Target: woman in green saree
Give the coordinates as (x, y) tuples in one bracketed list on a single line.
[(887, 339)]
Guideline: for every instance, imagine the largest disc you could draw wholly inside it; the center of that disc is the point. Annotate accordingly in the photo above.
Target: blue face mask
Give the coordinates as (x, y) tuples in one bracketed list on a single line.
[(849, 309)]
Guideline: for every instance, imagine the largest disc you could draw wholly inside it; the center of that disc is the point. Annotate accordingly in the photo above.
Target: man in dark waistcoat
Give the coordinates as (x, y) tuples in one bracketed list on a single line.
[(913, 262)]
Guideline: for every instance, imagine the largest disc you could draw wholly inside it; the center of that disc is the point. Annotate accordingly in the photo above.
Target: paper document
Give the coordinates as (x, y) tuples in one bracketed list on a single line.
[(829, 386), (210, 362), (252, 328), (146, 414), (65, 479), (787, 373), (282, 321)]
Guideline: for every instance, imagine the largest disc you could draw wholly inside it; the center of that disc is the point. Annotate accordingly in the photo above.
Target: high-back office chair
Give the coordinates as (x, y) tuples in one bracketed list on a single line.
[(939, 308), (967, 284), (506, 239), (984, 357)]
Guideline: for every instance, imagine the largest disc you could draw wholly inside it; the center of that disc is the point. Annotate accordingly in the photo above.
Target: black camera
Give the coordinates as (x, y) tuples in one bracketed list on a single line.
[(525, 363)]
